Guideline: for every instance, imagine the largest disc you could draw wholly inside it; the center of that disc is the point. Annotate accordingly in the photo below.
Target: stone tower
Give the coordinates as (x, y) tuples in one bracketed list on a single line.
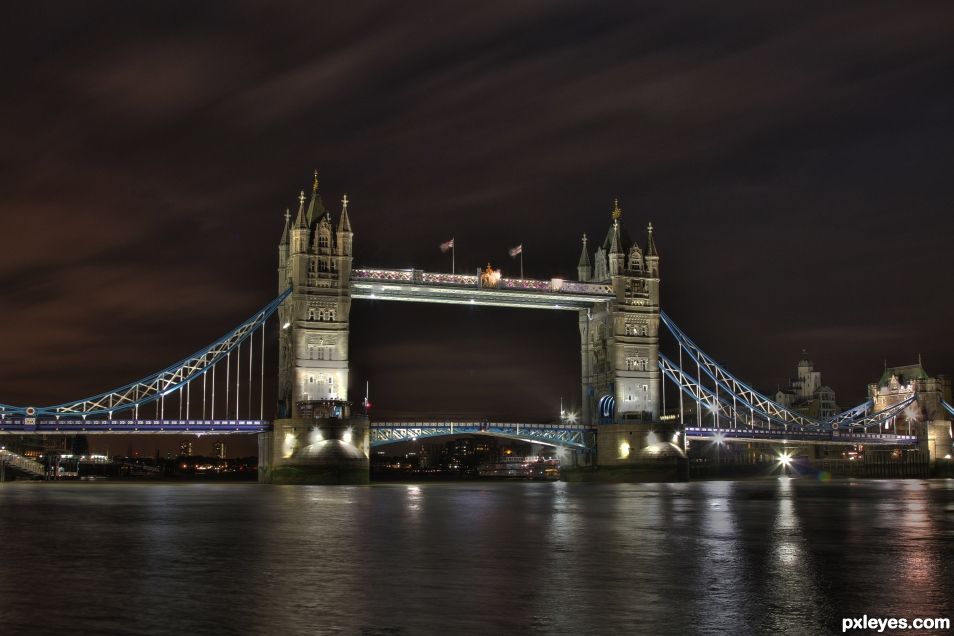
[(620, 338), (315, 261), (315, 438)]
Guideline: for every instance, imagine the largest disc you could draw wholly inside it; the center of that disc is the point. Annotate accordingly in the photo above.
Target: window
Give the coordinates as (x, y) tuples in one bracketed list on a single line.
[(311, 313)]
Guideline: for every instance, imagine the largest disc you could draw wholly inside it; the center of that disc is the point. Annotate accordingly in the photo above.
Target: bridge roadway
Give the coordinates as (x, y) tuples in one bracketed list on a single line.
[(382, 433), (414, 285)]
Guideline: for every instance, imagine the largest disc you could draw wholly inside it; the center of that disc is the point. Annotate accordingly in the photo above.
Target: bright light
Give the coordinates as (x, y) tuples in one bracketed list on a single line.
[(315, 436), (712, 407), (719, 438), (288, 445), (286, 325), (675, 437), (347, 435), (624, 449), (948, 456), (653, 444), (785, 459), (571, 418)]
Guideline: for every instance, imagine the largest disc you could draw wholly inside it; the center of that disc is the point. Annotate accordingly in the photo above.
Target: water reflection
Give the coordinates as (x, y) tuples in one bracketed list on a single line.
[(789, 556)]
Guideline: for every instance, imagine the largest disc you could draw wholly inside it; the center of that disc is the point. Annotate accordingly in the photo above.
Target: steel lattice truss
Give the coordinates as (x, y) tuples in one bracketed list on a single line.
[(877, 419), (733, 386), (728, 409), (568, 435), (706, 398), (853, 413), (154, 387), (947, 407)]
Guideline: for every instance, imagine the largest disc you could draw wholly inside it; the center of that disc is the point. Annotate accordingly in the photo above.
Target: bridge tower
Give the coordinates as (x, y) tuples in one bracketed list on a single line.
[(620, 338), (316, 439), (926, 418)]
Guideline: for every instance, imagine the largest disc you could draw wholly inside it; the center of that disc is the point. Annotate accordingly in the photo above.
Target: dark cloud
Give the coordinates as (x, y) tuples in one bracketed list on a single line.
[(794, 160)]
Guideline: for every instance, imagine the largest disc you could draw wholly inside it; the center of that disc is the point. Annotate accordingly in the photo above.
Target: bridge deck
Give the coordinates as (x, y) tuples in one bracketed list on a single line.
[(820, 437), (461, 289), (125, 427)]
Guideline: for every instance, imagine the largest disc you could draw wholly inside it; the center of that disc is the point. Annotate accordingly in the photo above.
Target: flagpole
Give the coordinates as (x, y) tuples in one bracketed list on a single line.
[(453, 268), (521, 262)]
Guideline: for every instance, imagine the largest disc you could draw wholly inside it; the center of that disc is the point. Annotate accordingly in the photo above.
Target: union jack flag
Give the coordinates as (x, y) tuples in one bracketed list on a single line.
[(516, 250), (448, 245)]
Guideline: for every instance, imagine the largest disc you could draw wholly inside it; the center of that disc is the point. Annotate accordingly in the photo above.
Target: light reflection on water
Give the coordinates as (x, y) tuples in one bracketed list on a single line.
[(789, 556)]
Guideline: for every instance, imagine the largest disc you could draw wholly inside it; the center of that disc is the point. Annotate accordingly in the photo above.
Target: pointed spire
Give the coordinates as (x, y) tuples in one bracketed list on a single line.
[(344, 223), (284, 240), (617, 212), (650, 243), (316, 207), (300, 219), (615, 246), (585, 255)]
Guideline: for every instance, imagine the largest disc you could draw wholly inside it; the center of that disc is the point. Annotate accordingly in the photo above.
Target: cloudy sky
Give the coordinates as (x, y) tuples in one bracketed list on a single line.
[(795, 160)]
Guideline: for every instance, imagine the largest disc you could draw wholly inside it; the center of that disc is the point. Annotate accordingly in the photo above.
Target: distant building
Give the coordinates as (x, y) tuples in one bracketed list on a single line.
[(218, 450), (185, 449), (806, 393), (898, 384)]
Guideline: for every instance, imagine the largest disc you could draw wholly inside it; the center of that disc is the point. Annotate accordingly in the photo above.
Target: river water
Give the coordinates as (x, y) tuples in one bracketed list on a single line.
[(757, 557)]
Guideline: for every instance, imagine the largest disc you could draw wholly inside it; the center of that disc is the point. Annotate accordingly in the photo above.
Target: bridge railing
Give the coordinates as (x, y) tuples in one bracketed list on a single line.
[(419, 277), (22, 463)]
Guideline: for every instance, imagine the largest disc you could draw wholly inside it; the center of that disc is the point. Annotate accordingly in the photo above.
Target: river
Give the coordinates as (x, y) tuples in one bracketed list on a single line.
[(779, 556)]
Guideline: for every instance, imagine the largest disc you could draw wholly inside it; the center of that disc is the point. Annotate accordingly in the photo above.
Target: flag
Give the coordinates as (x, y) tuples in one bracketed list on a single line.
[(516, 250), (448, 245)]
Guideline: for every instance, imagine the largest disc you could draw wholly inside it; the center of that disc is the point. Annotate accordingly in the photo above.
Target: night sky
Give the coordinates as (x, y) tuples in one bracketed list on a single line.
[(795, 161)]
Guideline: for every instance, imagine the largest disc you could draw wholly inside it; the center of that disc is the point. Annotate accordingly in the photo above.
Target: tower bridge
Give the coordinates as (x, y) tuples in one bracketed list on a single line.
[(317, 437)]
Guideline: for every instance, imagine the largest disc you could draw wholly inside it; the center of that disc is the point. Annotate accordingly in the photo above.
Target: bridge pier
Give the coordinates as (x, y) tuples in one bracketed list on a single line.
[(325, 450), (633, 451)]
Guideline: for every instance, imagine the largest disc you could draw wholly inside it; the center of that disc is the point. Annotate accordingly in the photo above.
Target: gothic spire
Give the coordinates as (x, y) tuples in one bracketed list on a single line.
[(300, 219), (616, 246), (650, 243), (585, 255), (316, 207), (284, 240), (344, 223)]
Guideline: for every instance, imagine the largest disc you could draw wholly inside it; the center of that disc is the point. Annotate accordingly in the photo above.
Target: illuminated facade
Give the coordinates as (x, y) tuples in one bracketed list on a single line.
[(620, 337), (314, 260), (806, 394)]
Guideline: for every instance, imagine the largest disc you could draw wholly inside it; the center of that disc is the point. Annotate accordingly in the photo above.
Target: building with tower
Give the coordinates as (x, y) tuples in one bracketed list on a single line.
[(620, 340), (315, 438), (806, 393)]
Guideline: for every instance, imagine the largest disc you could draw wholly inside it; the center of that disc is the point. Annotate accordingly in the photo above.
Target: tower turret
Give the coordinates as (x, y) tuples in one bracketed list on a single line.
[(344, 230), (652, 256), (283, 255), (299, 233), (617, 257), (584, 270), (316, 207)]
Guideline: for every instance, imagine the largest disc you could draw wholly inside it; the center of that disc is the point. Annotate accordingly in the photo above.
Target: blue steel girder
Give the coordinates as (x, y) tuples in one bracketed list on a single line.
[(20, 426), (733, 385), (875, 419), (704, 396), (947, 407), (157, 385), (844, 438), (854, 412), (569, 435)]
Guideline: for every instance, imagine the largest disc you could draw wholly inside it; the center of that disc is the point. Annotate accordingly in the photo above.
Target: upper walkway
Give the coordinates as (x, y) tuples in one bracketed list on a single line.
[(414, 285)]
